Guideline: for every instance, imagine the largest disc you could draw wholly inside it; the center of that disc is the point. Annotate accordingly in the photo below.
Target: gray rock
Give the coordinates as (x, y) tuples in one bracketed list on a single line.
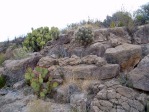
[(19, 84), (145, 49), (139, 77), (126, 55), (117, 98), (78, 101), (64, 92), (141, 36), (95, 49), (47, 61), (93, 59), (14, 69)]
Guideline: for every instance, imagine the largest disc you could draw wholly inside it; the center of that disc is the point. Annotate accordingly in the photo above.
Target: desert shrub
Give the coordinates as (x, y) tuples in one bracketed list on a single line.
[(2, 58), (37, 39), (20, 53), (84, 35), (2, 81), (54, 32), (39, 80)]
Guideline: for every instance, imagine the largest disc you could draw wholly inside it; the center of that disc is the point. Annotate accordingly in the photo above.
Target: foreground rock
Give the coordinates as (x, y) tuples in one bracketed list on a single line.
[(14, 69), (88, 67), (116, 98), (126, 55), (139, 77), (17, 101)]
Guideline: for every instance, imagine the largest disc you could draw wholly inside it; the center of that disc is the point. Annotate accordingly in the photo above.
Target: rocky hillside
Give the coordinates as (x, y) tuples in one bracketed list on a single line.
[(109, 75)]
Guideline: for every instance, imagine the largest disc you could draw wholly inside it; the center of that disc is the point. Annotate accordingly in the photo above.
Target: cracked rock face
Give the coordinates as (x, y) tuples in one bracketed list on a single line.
[(117, 98)]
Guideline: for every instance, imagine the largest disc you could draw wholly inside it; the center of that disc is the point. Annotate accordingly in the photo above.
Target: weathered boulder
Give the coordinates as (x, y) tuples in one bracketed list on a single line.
[(117, 98), (95, 49), (141, 36), (74, 60), (139, 77), (64, 92), (93, 59), (126, 55), (145, 49), (47, 62), (118, 33), (14, 69), (55, 51), (91, 71)]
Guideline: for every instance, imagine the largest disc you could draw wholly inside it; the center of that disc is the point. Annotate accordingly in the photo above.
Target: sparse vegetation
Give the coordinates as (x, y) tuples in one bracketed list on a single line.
[(84, 35), (40, 81)]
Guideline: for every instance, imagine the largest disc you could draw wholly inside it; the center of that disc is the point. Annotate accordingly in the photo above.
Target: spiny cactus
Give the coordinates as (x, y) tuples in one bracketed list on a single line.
[(39, 80), (84, 35), (36, 40)]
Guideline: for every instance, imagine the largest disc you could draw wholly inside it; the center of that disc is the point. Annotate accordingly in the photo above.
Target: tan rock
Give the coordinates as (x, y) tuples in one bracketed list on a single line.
[(126, 55)]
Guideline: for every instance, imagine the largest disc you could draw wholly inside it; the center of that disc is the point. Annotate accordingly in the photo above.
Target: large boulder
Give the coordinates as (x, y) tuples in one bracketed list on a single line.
[(141, 36), (14, 69), (126, 55), (139, 77)]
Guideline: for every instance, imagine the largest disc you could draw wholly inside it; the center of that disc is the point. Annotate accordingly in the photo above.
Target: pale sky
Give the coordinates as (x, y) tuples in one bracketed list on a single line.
[(17, 17)]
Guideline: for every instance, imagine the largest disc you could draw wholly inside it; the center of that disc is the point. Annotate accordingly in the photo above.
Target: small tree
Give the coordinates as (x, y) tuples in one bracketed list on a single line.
[(142, 15)]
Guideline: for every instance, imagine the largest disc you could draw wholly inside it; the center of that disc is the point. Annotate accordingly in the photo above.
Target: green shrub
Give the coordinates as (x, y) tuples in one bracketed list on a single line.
[(39, 80), (54, 32), (2, 58), (37, 39), (20, 53), (84, 35), (2, 81)]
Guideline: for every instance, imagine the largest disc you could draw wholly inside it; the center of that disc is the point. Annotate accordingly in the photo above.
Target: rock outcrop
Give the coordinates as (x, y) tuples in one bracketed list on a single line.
[(139, 77), (117, 98), (14, 69), (141, 36), (126, 55)]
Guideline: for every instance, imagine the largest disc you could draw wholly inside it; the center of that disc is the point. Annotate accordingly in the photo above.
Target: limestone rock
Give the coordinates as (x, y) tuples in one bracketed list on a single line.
[(126, 55), (93, 59), (117, 98), (14, 69), (141, 36), (139, 77), (47, 61)]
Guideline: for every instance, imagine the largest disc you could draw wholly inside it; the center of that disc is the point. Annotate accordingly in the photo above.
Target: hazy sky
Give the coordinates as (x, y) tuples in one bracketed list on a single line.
[(18, 16)]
